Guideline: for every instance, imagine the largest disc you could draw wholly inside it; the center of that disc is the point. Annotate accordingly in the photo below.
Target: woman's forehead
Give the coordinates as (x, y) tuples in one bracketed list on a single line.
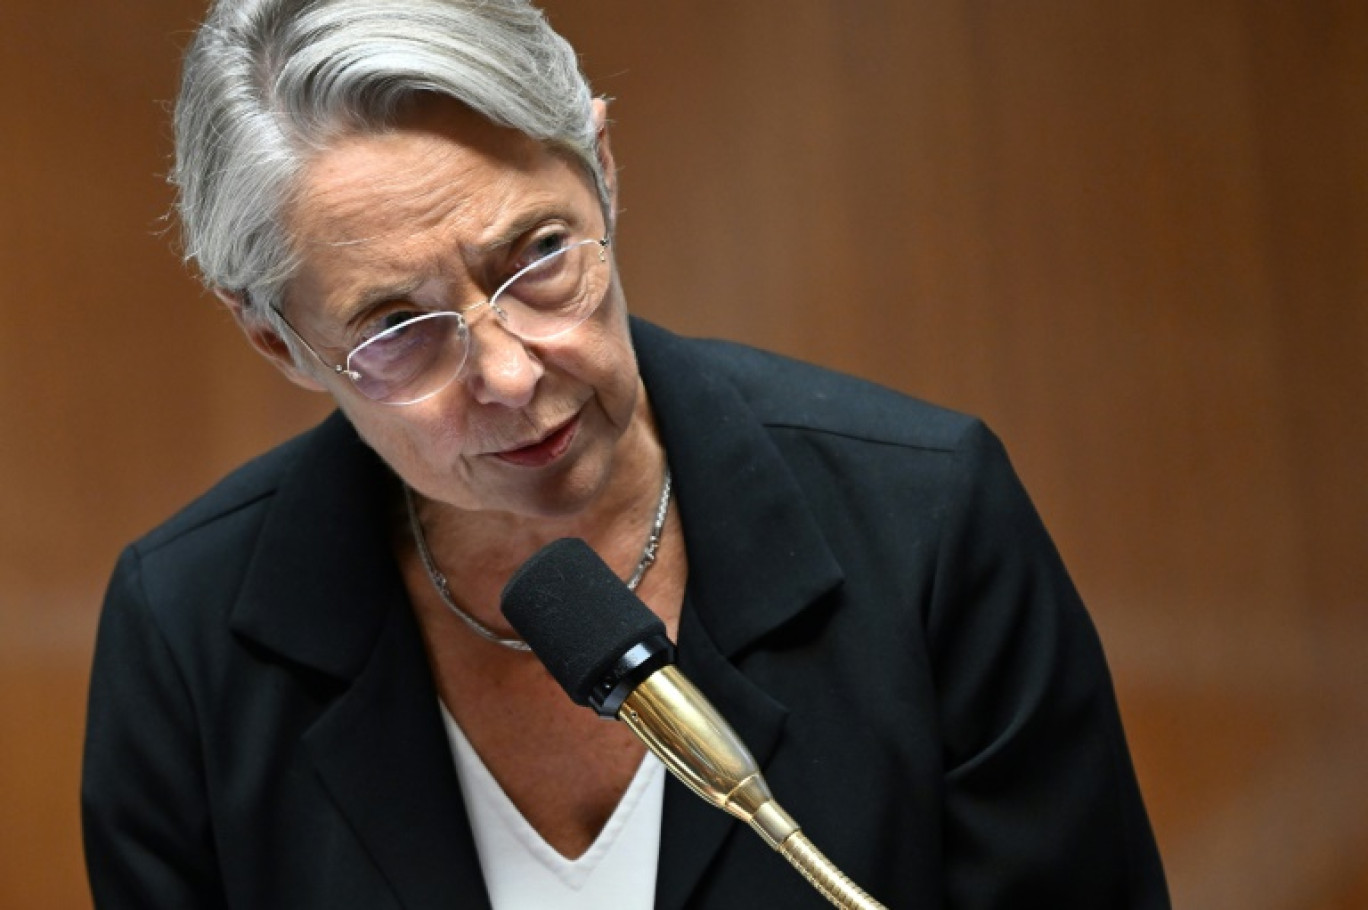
[(448, 168), (379, 215)]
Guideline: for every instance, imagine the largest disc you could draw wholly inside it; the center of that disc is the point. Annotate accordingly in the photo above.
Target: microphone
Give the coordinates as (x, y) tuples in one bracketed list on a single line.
[(609, 652)]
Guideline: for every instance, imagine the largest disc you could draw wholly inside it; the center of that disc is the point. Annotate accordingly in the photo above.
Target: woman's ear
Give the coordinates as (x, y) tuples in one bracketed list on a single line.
[(605, 155), (266, 342)]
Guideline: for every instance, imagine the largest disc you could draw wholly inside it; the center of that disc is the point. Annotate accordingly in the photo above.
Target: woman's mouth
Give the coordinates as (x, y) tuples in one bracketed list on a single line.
[(553, 446)]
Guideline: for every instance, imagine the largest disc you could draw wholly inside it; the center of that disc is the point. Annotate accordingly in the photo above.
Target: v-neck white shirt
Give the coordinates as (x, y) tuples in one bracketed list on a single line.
[(523, 872)]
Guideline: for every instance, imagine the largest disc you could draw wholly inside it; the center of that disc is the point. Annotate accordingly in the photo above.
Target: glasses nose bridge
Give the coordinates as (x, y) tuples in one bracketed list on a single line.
[(473, 353), (471, 317)]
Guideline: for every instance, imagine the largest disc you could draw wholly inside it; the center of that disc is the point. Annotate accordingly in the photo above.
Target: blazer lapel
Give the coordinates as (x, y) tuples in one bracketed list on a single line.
[(757, 562), (693, 830), (324, 592), (383, 757)]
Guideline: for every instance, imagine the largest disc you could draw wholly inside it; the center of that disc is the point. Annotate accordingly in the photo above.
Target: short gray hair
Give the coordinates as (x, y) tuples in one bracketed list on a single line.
[(268, 83)]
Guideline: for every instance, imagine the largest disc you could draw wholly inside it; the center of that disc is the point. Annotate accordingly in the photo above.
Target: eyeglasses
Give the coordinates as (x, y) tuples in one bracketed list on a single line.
[(418, 357)]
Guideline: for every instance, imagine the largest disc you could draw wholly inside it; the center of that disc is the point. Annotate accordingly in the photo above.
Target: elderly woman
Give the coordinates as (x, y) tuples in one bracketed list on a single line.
[(304, 694)]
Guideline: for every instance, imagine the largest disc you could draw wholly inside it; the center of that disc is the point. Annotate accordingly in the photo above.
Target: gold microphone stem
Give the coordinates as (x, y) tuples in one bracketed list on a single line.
[(678, 724), (824, 876)]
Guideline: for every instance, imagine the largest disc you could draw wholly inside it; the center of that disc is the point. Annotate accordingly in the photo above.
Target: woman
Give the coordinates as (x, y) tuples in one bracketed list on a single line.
[(304, 693)]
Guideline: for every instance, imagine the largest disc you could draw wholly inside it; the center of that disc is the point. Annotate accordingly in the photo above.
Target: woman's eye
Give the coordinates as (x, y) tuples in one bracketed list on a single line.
[(399, 317), (541, 247), (388, 321)]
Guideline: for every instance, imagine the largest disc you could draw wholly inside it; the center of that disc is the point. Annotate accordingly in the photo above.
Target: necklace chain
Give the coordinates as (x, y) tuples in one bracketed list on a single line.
[(648, 557)]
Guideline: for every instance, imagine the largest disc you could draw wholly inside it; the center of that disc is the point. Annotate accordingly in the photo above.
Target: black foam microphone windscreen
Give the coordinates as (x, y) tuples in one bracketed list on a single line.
[(577, 615)]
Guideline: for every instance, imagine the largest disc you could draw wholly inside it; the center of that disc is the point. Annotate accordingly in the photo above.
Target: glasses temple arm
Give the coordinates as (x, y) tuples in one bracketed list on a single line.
[(334, 367)]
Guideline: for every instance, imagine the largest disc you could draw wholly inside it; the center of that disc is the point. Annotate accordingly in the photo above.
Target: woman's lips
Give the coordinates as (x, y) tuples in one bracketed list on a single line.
[(548, 450)]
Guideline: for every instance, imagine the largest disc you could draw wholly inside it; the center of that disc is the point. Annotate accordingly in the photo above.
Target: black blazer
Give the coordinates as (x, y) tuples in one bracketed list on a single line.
[(872, 602)]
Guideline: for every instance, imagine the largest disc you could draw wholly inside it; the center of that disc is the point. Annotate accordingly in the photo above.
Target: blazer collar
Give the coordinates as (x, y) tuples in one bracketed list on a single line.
[(757, 557), (322, 575), (757, 561), (323, 590)]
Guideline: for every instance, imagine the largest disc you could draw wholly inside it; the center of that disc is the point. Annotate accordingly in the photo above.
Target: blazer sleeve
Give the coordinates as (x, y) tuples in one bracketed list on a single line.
[(1042, 808), (145, 816)]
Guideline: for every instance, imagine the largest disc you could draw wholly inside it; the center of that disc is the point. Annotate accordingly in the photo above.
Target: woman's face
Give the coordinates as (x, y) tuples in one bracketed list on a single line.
[(435, 215)]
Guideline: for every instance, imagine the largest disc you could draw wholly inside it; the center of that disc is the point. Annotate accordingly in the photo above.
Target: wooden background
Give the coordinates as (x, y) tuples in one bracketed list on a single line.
[(1132, 235)]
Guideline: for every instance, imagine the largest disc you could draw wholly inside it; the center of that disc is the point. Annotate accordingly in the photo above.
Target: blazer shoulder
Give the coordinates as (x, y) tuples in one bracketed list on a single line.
[(246, 486), (785, 393)]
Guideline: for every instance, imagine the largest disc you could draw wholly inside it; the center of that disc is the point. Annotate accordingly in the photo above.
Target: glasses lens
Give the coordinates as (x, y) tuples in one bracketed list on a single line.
[(555, 293), (412, 360)]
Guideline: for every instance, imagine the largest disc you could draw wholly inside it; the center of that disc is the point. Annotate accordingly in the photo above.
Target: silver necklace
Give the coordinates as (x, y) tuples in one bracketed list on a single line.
[(648, 557)]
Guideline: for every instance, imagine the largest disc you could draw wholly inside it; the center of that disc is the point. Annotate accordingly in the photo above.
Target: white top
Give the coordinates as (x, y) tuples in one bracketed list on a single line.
[(523, 872)]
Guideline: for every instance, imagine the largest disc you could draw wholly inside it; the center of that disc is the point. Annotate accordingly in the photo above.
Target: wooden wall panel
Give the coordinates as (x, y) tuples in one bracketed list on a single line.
[(1131, 235)]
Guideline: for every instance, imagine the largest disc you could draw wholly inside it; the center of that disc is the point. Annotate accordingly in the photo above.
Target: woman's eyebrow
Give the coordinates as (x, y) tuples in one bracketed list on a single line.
[(364, 300), (524, 221)]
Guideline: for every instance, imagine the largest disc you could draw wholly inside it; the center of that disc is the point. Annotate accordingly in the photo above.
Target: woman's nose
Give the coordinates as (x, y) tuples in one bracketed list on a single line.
[(500, 369)]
